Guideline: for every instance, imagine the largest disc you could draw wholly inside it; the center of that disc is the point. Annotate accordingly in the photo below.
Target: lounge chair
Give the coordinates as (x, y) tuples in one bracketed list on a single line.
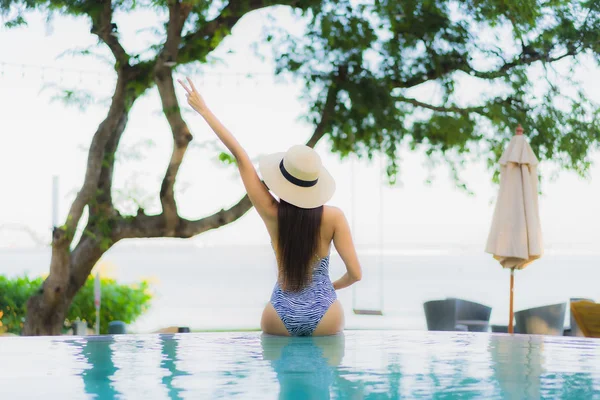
[(575, 330), (454, 314), (587, 316), (545, 320), (174, 329), (475, 316)]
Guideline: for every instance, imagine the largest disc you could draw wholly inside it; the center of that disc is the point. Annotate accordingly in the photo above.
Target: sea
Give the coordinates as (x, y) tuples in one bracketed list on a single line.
[(227, 287)]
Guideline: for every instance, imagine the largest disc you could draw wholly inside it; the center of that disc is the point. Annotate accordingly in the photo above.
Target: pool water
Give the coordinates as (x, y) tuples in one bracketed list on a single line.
[(355, 365)]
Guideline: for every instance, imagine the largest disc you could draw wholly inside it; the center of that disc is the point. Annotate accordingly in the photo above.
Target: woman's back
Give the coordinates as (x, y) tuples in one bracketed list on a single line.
[(334, 228), (329, 219), (327, 230), (304, 298)]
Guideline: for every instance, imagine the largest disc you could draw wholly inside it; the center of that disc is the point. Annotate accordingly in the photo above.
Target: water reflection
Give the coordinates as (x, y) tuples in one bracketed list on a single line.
[(306, 367), (98, 376), (518, 365), (442, 366), (169, 345), (535, 367), (356, 365), (103, 378)]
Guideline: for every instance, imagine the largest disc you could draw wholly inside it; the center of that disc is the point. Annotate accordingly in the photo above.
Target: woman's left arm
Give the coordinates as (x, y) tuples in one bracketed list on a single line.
[(259, 195)]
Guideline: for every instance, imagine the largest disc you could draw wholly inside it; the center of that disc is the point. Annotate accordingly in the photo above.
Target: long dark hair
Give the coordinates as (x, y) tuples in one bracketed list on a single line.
[(299, 231)]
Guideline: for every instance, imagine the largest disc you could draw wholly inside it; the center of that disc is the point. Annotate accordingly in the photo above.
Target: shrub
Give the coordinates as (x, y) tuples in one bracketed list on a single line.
[(119, 302), (14, 294)]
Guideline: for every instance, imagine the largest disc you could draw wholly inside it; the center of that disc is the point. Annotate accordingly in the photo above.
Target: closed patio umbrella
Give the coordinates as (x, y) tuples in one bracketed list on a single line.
[(515, 237)]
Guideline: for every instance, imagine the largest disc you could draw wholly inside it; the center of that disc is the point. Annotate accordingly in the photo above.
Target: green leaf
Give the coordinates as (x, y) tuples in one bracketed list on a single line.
[(227, 159)]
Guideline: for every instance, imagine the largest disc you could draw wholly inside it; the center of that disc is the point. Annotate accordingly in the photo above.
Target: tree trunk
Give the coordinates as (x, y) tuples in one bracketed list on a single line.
[(47, 310), (43, 318)]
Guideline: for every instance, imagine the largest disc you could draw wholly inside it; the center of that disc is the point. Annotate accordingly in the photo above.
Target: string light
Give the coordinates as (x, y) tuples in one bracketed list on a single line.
[(49, 71), (95, 72), (44, 68)]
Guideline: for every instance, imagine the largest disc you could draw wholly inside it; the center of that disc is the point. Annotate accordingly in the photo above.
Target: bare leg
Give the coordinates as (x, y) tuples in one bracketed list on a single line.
[(332, 322), (271, 323)]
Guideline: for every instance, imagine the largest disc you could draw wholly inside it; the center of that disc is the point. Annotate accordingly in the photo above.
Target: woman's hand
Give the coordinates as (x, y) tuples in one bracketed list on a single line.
[(193, 97)]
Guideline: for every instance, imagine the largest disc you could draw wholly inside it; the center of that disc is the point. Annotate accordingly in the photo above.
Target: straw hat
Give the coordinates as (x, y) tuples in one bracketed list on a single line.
[(298, 177)]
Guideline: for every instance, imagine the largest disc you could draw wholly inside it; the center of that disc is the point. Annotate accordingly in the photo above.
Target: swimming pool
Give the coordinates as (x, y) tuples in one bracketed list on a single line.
[(356, 365)]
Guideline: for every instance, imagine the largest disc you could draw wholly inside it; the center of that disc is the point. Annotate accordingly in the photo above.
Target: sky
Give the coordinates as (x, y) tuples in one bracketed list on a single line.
[(41, 138)]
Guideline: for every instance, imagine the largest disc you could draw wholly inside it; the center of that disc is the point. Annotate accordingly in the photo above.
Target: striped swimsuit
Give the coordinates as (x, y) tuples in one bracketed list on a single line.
[(302, 311)]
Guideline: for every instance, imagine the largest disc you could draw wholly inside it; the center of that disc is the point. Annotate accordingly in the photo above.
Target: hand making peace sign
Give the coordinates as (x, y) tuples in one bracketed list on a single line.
[(193, 97)]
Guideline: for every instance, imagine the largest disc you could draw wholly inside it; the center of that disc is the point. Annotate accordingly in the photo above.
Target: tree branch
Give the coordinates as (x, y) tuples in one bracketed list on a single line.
[(85, 255), (188, 229), (104, 195), (96, 155), (431, 75), (116, 121), (483, 110), (442, 109), (105, 29), (326, 114), (527, 57), (178, 14), (181, 139), (198, 44), (163, 77)]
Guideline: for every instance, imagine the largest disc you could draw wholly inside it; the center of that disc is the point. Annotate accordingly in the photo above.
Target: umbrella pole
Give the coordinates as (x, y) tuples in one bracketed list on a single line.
[(512, 292)]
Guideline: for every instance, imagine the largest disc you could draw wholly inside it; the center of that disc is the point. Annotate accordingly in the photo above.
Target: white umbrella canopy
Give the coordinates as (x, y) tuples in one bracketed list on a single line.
[(515, 238)]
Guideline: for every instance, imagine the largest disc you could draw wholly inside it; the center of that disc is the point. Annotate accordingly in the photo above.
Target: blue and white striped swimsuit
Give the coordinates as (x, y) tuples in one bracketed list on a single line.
[(302, 311)]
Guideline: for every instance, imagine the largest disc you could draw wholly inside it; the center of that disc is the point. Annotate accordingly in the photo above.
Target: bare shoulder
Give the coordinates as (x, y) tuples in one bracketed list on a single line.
[(332, 215)]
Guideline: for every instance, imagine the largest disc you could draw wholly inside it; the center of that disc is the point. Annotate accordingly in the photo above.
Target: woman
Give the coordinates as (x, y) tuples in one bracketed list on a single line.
[(301, 228)]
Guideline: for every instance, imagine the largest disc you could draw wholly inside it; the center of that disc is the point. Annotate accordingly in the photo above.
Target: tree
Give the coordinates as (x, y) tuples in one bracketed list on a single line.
[(389, 50), (364, 64)]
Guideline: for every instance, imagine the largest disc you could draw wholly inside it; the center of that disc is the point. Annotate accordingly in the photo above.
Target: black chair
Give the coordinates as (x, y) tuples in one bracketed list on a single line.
[(440, 315), (454, 314), (500, 328), (474, 315), (545, 320)]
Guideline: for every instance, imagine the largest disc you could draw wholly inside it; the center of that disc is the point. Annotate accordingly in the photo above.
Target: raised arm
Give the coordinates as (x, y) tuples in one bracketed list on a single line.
[(260, 197), (342, 240)]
